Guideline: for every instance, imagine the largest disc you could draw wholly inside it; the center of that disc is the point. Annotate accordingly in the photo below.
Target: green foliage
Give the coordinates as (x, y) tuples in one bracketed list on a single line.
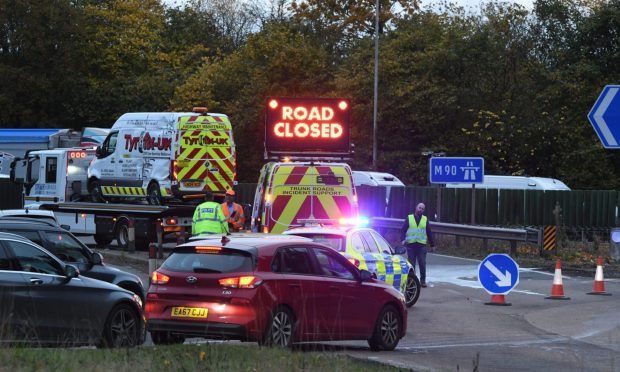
[(506, 83), (275, 62)]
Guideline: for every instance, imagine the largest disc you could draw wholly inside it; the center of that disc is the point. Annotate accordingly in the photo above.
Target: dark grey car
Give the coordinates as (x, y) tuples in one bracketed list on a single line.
[(44, 301), (69, 249)]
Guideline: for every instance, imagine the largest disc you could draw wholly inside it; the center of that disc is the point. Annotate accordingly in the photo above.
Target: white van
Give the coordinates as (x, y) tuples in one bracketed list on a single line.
[(515, 183), (164, 155), (386, 180)]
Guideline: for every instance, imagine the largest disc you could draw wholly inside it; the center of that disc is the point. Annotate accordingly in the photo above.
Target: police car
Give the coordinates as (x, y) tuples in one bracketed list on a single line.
[(367, 249)]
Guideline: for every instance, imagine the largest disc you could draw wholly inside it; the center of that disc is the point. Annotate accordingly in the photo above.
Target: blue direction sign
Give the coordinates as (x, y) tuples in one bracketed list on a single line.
[(456, 170), (498, 273), (605, 117)]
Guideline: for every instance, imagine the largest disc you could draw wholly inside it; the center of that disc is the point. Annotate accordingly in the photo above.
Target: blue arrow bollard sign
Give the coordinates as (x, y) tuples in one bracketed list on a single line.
[(498, 274), (456, 170), (605, 117)]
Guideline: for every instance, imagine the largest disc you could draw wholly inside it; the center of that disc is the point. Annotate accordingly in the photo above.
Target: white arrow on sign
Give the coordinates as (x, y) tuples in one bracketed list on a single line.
[(504, 280), (598, 116)]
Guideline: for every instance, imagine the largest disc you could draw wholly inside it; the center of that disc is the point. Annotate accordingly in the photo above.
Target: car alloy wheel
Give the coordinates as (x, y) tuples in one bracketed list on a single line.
[(412, 289), (122, 328), (281, 328), (387, 330)]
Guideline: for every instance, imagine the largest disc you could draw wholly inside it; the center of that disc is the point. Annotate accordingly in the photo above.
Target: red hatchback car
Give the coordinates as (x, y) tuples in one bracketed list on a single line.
[(276, 290)]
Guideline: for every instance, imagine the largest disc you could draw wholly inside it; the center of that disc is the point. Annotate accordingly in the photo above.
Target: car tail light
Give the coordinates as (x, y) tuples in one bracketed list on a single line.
[(241, 282), (159, 278), (171, 221), (173, 170), (355, 262), (200, 249)]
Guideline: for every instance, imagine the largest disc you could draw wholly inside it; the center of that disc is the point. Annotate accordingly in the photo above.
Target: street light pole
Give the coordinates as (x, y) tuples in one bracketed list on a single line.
[(374, 110)]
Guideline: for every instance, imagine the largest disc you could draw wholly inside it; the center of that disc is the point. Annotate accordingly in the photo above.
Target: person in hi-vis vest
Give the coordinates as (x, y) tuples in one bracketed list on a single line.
[(417, 235), (233, 212), (209, 218)]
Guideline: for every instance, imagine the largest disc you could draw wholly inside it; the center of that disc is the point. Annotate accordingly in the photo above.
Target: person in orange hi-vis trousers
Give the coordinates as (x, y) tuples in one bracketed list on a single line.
[(233, 212)]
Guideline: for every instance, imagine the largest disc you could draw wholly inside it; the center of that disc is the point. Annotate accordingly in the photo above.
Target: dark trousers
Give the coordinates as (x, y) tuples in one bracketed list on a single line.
[(417, 253)]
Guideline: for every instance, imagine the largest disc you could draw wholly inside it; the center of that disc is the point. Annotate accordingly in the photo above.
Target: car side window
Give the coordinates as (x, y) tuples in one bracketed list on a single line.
[(370, 242), (384, 246), (30, 235), (292, 260), (5, 261), (357, 243), (331, 265), (65, 247), (34, 260)]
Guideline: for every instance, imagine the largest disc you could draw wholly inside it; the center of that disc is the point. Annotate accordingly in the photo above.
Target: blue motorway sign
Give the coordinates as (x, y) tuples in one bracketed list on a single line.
[(605, 117), (498, 273), (456, 170)]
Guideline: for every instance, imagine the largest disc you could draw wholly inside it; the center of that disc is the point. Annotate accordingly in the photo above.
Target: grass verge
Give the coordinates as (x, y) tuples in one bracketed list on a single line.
[(206, 357)]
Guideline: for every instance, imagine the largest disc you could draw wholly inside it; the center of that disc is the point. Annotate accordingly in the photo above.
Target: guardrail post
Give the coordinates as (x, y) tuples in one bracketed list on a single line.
[(513, 247), (160, 240), (540, 241), (457, 241), (152, 258), (131, 235), (485, 244)]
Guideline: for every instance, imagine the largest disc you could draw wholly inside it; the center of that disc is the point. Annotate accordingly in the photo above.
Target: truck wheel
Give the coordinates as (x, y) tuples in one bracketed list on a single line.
[(153, 194), (122, 234), (95, 192), (102, 240)]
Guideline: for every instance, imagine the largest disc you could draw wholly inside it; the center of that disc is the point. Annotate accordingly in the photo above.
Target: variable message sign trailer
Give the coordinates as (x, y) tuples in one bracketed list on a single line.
[(311, 131)]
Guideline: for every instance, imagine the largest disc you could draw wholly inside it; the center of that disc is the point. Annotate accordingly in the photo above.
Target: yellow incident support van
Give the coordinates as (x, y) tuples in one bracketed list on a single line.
[(293, 191), (164, 155)]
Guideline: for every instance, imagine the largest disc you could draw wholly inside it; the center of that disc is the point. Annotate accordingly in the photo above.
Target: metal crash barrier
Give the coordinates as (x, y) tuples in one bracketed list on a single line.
[(531, 235)]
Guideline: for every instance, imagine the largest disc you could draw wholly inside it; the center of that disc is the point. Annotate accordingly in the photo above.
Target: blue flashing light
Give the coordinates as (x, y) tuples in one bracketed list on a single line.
[(355, 221)]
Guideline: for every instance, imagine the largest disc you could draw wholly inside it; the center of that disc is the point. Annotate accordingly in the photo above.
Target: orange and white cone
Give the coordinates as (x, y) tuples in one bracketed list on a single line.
[(599, 282), (498, 300), (557, 290)]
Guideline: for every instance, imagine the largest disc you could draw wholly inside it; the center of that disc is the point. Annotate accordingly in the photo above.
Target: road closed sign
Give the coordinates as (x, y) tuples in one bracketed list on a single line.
[(298, 126)]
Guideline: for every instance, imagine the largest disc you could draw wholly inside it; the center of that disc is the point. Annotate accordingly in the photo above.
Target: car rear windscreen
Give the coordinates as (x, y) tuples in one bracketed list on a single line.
[(225, 261), (331, 240)]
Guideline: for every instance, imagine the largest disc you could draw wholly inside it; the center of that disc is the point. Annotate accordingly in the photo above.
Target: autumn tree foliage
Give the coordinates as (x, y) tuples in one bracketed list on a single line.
[(501, 81)]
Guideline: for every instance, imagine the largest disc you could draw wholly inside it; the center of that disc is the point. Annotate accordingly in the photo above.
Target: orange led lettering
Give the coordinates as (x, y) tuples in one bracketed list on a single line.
[(303, 130)]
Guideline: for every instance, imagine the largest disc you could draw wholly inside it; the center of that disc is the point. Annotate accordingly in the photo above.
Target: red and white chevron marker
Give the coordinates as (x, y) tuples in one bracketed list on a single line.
[(557, 290), (599, 282)]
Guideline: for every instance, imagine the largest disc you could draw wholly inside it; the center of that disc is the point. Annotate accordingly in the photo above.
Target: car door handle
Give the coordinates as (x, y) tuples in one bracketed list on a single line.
[(334, 288), (294, 285), (112, 161), (36, 281), (120, 161)]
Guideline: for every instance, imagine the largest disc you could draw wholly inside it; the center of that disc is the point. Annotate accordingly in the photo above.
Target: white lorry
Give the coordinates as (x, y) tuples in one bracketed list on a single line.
[(57, 179), (163, 156)]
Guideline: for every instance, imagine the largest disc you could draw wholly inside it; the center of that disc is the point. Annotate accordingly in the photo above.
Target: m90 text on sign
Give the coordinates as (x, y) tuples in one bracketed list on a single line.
[(297, 126)]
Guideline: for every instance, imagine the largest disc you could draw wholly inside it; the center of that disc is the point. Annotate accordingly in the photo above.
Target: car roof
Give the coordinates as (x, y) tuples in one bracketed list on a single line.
[(25, 222), (26, 212), (5, 235), (333, 230), (244, 241)]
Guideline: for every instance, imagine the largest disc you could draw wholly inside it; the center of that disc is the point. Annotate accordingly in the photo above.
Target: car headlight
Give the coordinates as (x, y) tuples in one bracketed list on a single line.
[(137, 299)]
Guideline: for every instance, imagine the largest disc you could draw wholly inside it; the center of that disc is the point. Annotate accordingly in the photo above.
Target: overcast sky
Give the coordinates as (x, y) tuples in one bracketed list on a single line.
[(465, 3)]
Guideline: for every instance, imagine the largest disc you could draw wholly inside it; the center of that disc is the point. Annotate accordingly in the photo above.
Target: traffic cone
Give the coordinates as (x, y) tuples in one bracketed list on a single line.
[(557, 290), (599, 283), (498, 300)]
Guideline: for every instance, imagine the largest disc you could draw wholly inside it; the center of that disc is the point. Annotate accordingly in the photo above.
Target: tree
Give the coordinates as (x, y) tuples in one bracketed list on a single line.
[(40, 62), (238, 85)]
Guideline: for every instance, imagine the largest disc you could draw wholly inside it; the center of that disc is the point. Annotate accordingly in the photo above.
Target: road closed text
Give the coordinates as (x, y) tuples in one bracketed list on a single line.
[(301, 125)]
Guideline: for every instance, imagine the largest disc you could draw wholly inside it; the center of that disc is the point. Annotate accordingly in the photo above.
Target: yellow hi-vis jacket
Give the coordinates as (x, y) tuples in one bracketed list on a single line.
[(209, 219), (416, 233)]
